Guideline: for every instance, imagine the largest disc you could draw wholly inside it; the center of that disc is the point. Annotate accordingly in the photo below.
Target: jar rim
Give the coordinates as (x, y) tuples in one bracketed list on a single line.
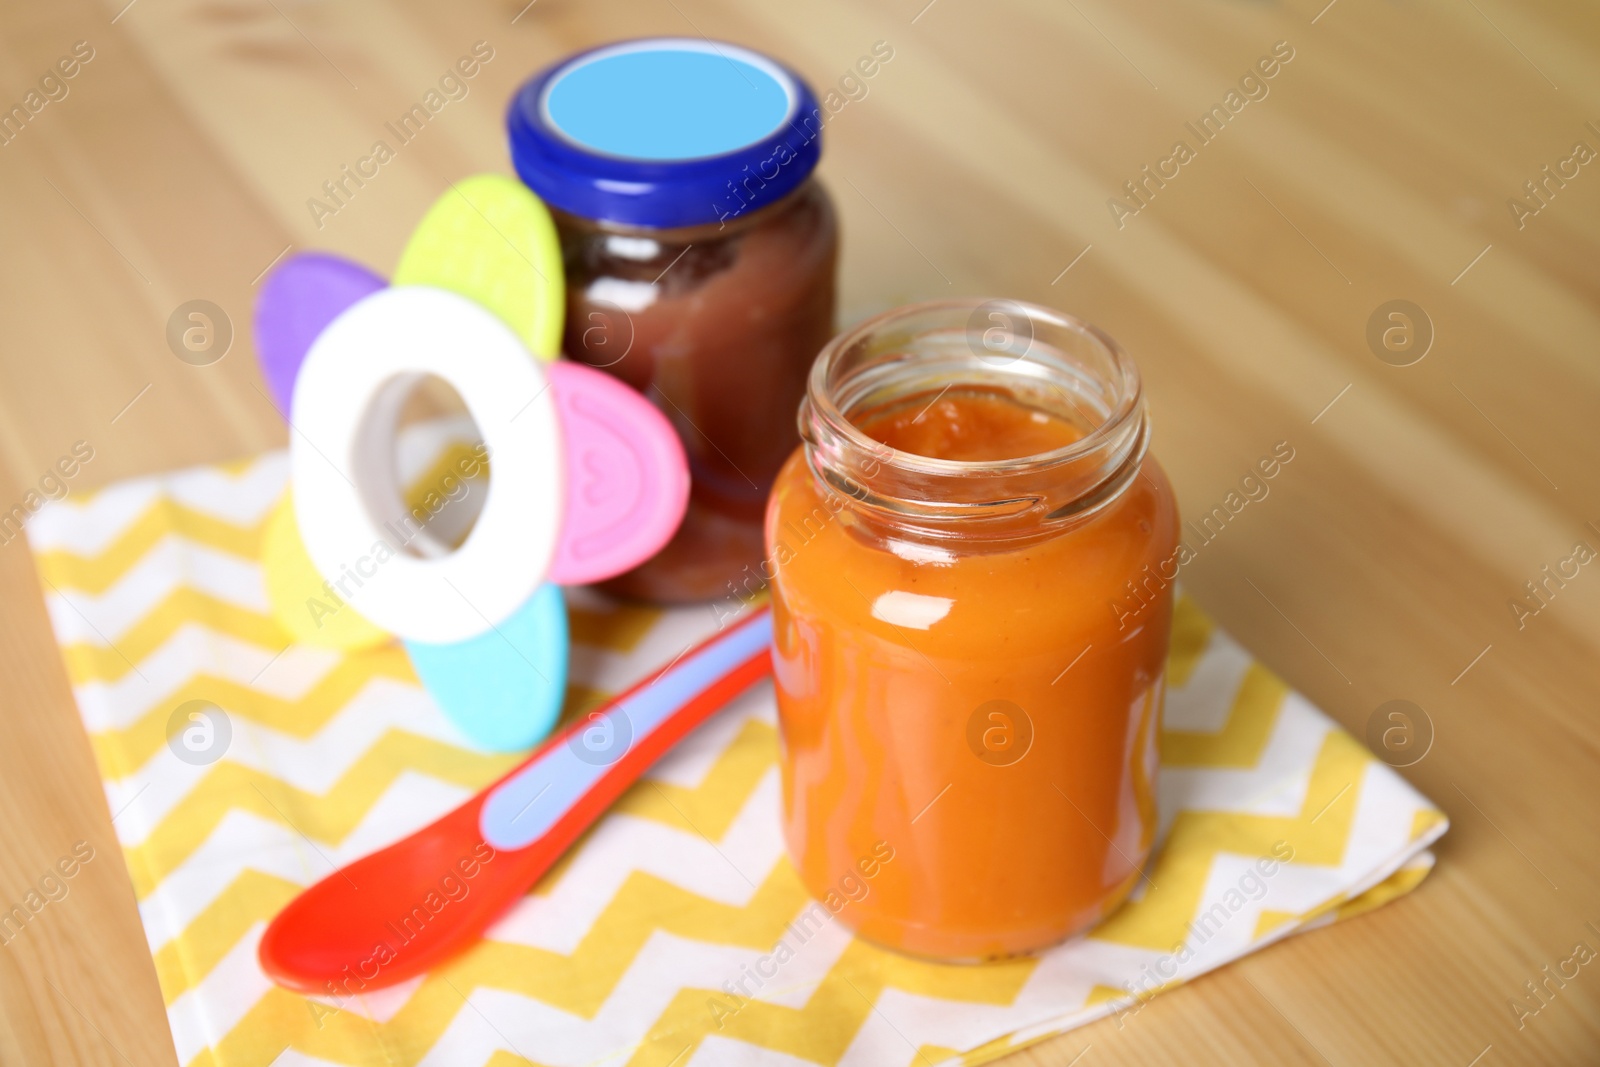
[(1129, 385)]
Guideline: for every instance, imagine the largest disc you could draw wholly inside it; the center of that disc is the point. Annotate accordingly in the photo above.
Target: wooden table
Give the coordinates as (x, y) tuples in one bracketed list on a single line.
[(1377, 167)]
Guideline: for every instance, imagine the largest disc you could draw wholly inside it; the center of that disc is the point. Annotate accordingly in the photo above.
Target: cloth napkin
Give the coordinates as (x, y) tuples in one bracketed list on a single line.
[(673, 935)]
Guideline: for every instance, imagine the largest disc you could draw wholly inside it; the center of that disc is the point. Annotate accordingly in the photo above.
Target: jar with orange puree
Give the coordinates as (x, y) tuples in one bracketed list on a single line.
[(956, 681)]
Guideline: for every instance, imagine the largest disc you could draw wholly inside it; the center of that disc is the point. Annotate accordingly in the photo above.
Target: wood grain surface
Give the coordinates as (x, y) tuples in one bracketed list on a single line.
[(1378, 166)]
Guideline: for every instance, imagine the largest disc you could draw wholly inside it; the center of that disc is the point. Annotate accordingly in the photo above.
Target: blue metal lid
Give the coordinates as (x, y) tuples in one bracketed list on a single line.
[(664, 132)]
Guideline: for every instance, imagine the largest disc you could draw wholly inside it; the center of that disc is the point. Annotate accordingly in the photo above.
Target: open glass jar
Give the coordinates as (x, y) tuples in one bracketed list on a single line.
[(700, 256), (961, 682)]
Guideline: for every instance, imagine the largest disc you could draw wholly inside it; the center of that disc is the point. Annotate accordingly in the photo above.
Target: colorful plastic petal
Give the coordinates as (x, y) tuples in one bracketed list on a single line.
[(503, 688), (303, 603), (627, 476), (297, 301), (491, 240)]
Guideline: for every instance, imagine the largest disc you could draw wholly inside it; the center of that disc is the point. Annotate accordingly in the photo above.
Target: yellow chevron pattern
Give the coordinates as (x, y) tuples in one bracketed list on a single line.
[(676, 929)]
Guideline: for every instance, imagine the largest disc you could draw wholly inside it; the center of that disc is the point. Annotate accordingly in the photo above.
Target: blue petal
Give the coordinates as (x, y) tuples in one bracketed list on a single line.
[(503, 688)]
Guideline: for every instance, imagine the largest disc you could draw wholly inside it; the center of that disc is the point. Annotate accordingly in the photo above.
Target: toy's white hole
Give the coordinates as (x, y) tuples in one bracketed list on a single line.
[(429, 476)]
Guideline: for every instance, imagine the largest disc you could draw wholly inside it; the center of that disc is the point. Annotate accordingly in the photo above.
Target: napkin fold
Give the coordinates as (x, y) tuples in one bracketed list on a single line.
[(676, 933)]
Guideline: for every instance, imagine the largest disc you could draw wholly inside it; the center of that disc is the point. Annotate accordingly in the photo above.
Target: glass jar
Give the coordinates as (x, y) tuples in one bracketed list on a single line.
[(700, 256), (970, 564)]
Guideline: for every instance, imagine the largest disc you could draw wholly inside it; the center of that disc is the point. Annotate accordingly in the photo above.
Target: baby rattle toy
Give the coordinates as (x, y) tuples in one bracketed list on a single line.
[(589, 479)]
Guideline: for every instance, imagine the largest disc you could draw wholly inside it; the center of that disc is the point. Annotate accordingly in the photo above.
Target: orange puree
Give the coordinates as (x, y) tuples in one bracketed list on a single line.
[(976, 708), (968, 425)]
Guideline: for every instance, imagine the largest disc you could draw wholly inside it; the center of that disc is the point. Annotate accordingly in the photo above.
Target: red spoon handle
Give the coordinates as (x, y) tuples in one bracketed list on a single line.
[(399, 911)]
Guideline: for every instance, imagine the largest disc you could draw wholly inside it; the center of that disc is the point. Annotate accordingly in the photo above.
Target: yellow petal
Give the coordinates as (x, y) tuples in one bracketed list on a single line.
[(300, 603)]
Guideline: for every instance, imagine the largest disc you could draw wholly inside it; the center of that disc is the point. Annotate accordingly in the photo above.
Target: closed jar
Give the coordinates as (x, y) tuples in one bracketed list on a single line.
[(960, 681), (700, 255)]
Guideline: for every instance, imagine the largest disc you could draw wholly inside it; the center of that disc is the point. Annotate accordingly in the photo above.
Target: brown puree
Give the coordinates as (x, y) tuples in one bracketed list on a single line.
[(718, 326)]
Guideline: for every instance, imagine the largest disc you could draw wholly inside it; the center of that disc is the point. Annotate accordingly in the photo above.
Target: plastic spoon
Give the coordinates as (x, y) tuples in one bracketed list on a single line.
[(396, 913)]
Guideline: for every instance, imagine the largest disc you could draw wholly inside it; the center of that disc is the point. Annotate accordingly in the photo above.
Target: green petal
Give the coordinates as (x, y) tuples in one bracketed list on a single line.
[(491, 239)]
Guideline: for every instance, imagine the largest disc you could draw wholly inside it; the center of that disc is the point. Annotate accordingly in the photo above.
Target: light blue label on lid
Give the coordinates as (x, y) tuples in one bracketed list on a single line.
[(660, 100)]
